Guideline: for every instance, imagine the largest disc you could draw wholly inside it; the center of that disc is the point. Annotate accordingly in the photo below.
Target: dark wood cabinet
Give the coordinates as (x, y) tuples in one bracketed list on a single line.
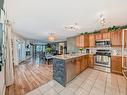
[(116, 38), (116, 64), (91, 40)]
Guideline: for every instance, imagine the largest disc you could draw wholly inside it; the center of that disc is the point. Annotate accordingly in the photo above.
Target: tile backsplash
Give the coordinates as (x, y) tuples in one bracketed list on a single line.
[(114, 51)]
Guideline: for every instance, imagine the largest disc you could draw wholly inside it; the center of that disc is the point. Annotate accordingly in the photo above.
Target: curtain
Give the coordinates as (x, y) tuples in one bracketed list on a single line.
[(9, 70)]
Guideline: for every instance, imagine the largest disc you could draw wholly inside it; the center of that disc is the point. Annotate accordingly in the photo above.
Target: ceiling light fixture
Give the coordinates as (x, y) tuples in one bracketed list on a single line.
[(102, 20), (73, 27), (51, 37)]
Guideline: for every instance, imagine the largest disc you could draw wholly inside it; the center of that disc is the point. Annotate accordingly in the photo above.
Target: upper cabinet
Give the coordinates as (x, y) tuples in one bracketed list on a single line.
[(116, 38), (106, 35), (86, 40), (98, 36), (82, 41), (91, 40), (125, 38)]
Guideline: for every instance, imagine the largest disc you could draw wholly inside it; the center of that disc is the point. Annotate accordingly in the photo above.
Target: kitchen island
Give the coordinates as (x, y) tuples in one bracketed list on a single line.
[(67, 67)]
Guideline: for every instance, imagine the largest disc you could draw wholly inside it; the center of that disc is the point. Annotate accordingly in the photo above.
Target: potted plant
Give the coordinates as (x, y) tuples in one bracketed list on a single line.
[(81, 49)]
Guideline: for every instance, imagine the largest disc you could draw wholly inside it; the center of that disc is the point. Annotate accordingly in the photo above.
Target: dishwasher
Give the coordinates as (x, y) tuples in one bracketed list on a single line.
[(70, 69)]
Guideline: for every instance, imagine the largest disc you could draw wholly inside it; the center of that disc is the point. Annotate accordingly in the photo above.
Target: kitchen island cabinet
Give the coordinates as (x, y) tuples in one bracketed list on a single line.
[(67, 67)]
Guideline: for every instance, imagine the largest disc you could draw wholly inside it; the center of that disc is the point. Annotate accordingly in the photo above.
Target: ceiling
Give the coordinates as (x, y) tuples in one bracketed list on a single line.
[(36, 19)]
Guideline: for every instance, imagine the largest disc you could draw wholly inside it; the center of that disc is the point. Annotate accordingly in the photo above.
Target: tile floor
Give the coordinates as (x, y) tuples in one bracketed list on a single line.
[(89, 82)]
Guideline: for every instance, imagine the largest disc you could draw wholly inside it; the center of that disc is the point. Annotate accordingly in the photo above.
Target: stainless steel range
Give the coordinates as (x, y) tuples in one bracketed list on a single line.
[(103, 53), (103, 58)]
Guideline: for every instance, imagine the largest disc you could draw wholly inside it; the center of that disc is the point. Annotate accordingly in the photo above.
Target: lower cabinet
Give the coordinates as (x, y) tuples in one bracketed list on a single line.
[(91, 61), (84, 62), (116, 64), (78, 65), (81, 64)]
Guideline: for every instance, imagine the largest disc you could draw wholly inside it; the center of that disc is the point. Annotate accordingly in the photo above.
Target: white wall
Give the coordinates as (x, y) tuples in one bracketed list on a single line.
[(71, 45)]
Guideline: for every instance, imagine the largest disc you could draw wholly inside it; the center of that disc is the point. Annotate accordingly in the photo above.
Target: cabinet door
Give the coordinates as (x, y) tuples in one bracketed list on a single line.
[(116, 38), (98, 36), (78, 65), (78, 41), (116, 64), (91, 40), (82, 63), (85, 61), (106, 35), (91, 61), (81, 41), (86, 40), (125, 38)]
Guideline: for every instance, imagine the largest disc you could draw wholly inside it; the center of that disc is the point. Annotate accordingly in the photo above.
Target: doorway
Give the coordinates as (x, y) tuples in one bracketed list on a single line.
[(61, 48)]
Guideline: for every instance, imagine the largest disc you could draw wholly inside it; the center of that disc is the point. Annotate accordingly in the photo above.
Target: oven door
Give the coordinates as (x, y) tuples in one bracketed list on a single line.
[(103, 60)]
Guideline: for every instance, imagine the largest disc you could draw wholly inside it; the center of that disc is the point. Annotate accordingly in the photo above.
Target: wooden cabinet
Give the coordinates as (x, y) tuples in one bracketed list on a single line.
[(86, 40), (91, 40), (116, 38), (85, 62), (91, 61), (98, 36), (81, 64), (106, 35), (78, 41), (125, 38), (116, 64), (78, 65), (82, 41), (101, 36)]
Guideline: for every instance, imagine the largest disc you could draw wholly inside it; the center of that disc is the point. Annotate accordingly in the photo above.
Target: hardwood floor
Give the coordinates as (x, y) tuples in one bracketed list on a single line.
[(30, 75)]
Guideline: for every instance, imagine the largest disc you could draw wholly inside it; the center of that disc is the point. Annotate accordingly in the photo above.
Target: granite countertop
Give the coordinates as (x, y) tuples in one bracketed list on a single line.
[(69, 56)]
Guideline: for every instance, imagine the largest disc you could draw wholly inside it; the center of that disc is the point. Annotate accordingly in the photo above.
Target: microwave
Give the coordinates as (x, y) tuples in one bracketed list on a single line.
[(103, 43)]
